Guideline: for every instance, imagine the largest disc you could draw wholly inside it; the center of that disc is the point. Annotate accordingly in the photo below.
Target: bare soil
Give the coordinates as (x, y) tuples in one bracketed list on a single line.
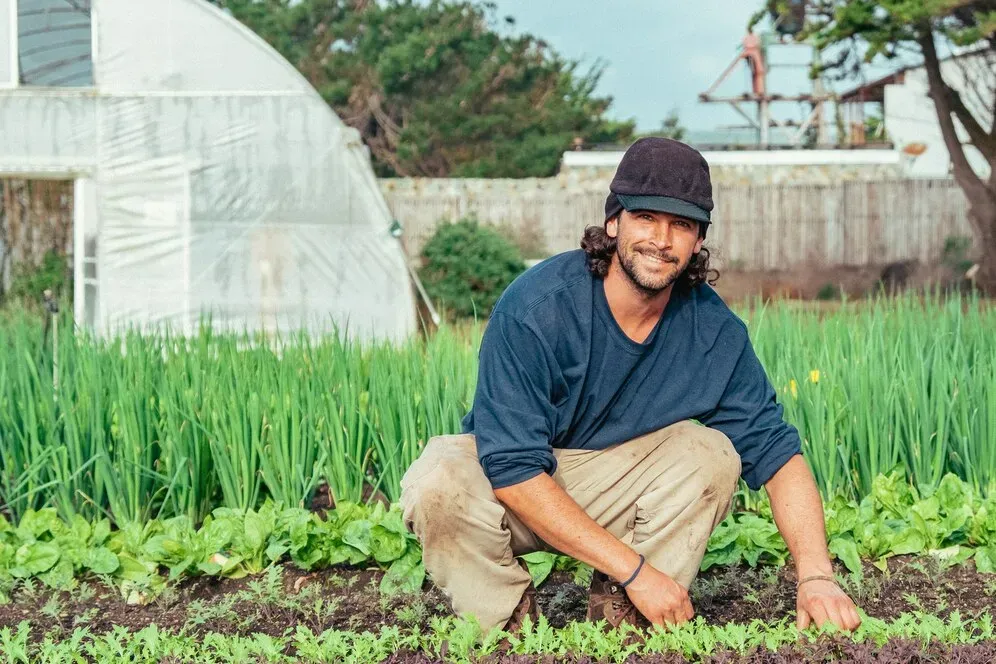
[(822, 286), (344, 598)]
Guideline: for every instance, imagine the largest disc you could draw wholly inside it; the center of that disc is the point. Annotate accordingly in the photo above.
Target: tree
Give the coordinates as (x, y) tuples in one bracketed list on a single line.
[(670, 127), (859, 30), (433, 88)]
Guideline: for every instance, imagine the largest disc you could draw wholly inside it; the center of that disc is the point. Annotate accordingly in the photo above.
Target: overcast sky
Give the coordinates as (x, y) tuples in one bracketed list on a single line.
[(661, 54)]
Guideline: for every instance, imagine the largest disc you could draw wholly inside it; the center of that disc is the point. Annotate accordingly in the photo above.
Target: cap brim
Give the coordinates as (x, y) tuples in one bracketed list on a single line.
[(664, 204)]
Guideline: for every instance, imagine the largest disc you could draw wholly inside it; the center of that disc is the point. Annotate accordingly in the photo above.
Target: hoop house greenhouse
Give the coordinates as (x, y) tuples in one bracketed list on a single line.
[(209, 176)]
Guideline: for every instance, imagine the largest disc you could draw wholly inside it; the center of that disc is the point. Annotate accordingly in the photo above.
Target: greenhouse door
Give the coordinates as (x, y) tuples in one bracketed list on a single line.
[(143, 255), (85, 228)]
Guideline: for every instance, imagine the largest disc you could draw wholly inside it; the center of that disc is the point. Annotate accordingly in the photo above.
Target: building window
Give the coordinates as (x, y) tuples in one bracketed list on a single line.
[(55, 43)]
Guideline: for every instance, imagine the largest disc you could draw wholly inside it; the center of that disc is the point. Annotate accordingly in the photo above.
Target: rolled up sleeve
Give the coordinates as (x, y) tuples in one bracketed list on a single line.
[(514, 416), (751, 417)]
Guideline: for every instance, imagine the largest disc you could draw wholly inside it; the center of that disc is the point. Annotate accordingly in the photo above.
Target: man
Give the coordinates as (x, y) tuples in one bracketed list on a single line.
[(581, 438)]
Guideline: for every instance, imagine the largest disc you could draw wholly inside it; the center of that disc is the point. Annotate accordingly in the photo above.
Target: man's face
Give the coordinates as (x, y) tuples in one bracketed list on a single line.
[(653, 248)]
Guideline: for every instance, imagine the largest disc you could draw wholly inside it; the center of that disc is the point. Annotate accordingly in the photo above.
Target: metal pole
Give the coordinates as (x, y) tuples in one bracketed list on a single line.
[(764, 121)]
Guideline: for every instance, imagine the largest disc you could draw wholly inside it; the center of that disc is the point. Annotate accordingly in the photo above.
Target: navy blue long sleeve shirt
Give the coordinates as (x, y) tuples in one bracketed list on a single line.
[(556, 370)]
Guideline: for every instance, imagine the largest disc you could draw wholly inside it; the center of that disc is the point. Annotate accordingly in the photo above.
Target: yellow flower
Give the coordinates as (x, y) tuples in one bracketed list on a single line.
[(793, 388), (814, 376)]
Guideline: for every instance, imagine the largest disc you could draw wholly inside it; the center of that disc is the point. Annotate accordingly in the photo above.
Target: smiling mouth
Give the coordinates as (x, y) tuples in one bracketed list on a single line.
[(663, 260)]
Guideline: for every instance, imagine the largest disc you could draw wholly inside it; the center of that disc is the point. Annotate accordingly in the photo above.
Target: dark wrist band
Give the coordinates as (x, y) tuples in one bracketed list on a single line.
[(633, 576)]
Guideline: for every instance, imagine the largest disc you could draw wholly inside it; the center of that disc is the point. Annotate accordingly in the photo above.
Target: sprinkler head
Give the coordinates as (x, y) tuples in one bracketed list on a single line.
[(50, 302)]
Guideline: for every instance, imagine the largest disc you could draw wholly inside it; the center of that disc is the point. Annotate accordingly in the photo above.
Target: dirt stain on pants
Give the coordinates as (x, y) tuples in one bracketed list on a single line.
[(662, 493)]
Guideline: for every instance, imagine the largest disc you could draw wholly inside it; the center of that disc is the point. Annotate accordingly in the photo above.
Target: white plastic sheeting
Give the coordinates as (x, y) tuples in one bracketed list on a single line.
[(222, 182)]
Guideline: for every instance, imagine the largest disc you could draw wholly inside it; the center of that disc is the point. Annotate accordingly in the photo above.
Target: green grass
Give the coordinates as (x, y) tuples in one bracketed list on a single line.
[(903, 383), (141, 426)]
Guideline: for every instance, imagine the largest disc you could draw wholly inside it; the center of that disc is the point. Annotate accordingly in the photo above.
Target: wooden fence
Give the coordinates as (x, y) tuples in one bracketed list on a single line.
[(757, 227)]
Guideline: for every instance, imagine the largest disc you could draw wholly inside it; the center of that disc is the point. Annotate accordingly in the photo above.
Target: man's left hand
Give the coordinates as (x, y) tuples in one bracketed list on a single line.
[(819, 601)]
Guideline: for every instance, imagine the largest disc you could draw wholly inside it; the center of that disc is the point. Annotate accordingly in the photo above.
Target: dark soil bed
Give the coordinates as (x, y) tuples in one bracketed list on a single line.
[(741, 594), (349, 599), (896, 651)]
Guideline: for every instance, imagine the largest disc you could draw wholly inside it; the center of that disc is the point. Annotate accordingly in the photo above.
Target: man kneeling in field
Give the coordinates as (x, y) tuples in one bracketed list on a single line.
[(618, 402)]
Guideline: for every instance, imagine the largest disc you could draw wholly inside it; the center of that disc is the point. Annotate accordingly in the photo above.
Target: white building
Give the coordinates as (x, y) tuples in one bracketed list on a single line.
[(209, 176), (910, 120)]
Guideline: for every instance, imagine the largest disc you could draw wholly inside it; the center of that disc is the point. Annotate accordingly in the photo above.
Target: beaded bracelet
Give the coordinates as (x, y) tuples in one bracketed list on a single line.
[(816, 577), (638, 568)]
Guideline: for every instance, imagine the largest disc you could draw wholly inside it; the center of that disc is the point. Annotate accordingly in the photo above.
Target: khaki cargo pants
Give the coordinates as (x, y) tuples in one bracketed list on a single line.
[(662, 493)]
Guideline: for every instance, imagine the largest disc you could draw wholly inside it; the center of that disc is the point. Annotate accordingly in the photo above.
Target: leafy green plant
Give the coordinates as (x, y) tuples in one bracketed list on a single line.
[(542, 563), (952, 523), (29, 281), (466, 266), (229, 543), (455, 640), (748, 537)]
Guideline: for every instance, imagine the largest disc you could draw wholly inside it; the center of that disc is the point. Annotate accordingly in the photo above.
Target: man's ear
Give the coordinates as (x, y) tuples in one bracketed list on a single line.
[(612, 227), (701, 240)]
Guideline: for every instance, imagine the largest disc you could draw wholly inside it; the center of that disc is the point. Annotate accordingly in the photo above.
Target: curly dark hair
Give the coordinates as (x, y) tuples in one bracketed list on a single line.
[(599, 247)]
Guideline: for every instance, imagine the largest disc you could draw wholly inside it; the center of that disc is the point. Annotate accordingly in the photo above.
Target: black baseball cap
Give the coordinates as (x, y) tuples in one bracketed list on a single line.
[(662, 175)]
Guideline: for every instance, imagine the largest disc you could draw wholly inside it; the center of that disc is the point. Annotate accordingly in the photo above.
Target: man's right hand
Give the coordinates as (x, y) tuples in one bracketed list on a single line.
[(547, 510), (660, 598)]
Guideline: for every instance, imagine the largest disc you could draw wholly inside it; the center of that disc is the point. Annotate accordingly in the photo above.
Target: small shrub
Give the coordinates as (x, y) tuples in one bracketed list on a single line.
[(467, 266), (955, 254), (828, 292), (29, 281)]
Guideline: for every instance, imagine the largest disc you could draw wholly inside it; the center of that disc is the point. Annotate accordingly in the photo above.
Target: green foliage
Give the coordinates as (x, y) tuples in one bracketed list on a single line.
[(180, 426), (671, 127), (954, 255), (467, 266), (860, 31), (462, 641), (29, 281), (952, 523), (230, 543), (746, 537), (828, 291), (542, 563), (875, 127), (434, 88), (889, 382)]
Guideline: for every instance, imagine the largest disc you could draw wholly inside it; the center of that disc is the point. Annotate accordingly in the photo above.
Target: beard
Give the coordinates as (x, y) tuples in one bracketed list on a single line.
[(637, 266)]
